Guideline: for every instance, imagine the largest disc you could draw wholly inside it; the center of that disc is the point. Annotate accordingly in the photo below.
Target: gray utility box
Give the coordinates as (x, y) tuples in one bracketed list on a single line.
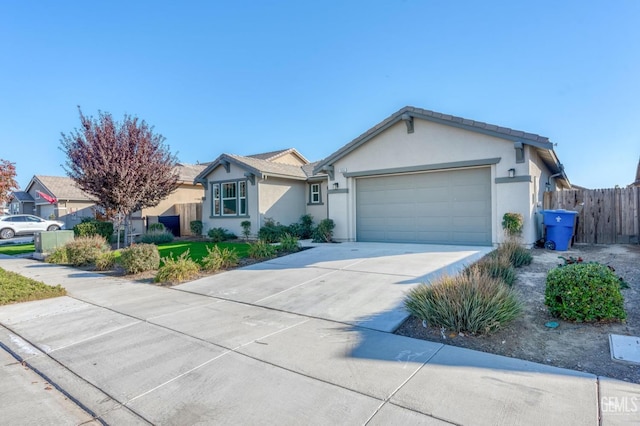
[(48, 241)]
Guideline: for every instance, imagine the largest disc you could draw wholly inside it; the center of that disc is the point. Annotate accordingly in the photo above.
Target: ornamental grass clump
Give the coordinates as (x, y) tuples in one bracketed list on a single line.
[(471, 303), (140, 258), (217, 259), (584, 292), (517, 255), (177, 270), (498, 266), (86, 250), (262, 250), (289, 243)]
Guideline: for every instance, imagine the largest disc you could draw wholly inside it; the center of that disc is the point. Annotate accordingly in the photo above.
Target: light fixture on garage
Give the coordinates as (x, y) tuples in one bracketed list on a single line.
[(512, 173)]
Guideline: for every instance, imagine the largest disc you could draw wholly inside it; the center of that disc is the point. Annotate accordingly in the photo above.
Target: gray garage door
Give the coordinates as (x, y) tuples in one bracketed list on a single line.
[(452, 207)]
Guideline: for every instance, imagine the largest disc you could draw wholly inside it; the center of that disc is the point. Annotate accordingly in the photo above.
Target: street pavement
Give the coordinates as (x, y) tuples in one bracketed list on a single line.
[(302, 339)]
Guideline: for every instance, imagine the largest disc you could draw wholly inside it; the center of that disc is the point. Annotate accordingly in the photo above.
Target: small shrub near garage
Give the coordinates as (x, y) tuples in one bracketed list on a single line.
[(86, 250), (472, 303), (289, 243), (584, 292), (157, 236), (262, 250), (15, 288), (324, 231), (90, 227), (140, 258), (217, 259), (177, 270)]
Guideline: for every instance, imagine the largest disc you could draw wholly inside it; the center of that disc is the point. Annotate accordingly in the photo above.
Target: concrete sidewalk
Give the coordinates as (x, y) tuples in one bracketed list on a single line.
[(234, 349)]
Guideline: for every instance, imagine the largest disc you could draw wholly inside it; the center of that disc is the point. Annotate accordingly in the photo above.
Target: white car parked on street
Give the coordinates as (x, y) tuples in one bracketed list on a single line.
[(18, 224)]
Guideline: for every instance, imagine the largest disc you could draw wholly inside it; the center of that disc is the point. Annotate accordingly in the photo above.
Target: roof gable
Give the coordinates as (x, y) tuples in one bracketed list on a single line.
[(286, 156), (409, 113), (60, 187)]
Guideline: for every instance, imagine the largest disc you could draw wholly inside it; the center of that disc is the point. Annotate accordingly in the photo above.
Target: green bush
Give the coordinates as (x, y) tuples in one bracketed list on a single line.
[(196, 227), (86, 250), (512, 223), (156, 237), (88, 228), (140, 258), (306, 227), (272, 232), (58, 256), (246, 228), (495, 267), (472, 303), (217, 259), (219, 235), (159, 227), (106, 261), (177, 270), (289, 243), (262, 250), (324, 231), (584, 292)]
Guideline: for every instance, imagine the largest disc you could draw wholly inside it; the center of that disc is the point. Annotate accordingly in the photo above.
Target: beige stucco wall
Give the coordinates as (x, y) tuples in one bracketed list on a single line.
[(433, 143), (185, 193), (282, 200), (291, 159)]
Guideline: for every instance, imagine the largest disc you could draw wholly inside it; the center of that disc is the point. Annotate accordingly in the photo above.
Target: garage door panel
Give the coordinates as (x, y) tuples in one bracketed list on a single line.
[(438, 207)]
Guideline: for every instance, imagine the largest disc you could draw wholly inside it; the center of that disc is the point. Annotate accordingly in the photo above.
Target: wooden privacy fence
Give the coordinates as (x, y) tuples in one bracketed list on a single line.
[(605, 216), (187, 213)]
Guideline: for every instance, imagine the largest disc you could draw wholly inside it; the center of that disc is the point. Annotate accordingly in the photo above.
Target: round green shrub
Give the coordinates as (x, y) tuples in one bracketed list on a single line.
[(106, 261), (584, 292), (471, 302), (86, 250), (91, 227), (196, 227), (140, 258), (156, 227)]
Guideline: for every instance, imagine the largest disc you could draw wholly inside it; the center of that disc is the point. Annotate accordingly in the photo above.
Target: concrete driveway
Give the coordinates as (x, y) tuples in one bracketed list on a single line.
[(296, 340)]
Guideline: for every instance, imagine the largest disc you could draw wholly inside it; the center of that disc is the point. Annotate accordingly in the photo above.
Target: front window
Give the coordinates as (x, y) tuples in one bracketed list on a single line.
[(229, 198), (314, 195)]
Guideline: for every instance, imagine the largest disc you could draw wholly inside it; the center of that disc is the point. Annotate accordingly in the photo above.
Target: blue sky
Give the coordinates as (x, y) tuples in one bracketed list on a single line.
[(252, 76)]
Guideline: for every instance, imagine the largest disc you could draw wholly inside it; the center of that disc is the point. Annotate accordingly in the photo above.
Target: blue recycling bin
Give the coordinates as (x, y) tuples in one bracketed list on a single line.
[(559, 225)]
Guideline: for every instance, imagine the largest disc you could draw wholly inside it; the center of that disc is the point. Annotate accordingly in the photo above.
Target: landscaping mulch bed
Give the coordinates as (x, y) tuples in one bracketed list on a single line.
[(577, 346)]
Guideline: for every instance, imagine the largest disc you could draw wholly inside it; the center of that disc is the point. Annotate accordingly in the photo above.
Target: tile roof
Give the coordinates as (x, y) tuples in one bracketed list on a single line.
[(269, 167), (63, 188), (188, 172)]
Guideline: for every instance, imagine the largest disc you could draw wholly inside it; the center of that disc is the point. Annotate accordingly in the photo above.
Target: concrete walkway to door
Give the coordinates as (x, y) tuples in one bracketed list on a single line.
[(297, 340)]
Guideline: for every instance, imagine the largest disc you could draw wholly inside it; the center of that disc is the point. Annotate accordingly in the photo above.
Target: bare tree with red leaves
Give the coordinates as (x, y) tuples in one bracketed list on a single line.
[(126, 166), (8, 182)]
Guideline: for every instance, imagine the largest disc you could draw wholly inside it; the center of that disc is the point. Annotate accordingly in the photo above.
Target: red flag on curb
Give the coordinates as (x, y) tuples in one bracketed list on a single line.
[(50, 199)]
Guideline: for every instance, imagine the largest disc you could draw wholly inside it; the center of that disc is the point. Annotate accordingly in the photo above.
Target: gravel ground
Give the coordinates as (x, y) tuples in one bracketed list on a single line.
[(576, 346)]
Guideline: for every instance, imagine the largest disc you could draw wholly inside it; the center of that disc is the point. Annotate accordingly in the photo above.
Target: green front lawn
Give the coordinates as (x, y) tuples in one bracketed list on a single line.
[(13, 249), (198, 249), (15, 288)]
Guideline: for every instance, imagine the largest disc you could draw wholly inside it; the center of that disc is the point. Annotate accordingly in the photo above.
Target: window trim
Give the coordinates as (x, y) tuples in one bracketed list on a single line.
[(312, 193), (217, 195)]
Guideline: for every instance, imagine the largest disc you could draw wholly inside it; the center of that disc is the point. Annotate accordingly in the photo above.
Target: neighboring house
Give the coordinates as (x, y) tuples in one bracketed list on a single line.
[(186, 192), (58, 197), (21, 202), (418, 176), (278, 185)]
